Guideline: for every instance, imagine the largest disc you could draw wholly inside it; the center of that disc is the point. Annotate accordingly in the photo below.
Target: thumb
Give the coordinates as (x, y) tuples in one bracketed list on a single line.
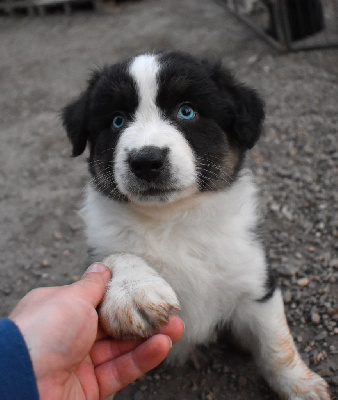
[(93, 284)]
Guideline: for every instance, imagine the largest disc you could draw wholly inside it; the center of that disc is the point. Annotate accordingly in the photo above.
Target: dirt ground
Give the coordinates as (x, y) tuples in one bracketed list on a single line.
[(44, 63)]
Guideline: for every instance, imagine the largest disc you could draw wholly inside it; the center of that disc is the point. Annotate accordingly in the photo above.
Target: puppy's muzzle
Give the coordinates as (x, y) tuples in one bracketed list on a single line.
[(148, 163)]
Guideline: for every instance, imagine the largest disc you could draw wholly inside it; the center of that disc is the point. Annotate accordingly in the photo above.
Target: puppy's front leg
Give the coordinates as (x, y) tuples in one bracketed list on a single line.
[(138, 300), (262, 327)]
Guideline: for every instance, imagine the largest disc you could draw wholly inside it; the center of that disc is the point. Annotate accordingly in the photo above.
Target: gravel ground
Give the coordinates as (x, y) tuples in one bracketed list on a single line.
[(44, 63)]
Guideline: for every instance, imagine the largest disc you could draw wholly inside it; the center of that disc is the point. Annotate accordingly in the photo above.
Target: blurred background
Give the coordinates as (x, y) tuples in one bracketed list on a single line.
[(47, 51)]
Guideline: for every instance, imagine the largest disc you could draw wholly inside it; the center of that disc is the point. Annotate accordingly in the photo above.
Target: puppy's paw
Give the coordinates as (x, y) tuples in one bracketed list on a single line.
[(311, 387), (137, 302)]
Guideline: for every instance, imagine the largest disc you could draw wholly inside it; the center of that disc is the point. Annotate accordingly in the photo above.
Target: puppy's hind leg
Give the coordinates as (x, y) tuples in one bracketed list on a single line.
[(261, 326)]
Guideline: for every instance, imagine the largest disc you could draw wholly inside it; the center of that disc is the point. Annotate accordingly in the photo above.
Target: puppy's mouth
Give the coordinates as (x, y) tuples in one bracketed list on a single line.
[(156, 192), (151, 194)]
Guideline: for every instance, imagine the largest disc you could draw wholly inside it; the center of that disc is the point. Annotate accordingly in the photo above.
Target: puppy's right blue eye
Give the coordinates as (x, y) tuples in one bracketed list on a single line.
[(186, 112), (118, 122)]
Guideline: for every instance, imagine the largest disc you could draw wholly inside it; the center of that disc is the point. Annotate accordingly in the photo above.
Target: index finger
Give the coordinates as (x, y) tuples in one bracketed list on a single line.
[(114, 375), (107, 350)]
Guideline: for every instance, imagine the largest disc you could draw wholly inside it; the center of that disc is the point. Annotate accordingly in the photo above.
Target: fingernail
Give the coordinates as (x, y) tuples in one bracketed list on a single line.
[(96, 267), (170, 341)]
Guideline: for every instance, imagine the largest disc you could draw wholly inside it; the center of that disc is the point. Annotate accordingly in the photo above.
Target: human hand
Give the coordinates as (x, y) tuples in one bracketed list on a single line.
[(72, 358)]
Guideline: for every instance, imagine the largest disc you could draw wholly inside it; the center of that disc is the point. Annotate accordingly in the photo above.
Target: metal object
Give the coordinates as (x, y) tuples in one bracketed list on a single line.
[(39, 7), (290, 25)]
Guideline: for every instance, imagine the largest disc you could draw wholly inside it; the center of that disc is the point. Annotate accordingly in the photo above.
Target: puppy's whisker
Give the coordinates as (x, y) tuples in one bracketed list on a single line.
[(219, 177)]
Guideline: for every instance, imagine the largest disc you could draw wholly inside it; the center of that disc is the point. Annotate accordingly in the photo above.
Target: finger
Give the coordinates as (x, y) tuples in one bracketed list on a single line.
[(174, 328), (108, 350), (114, 375), (93, 284), (101, 334)]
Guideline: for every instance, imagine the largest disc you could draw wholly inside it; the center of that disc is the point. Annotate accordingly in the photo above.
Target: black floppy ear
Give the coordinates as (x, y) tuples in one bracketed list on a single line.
[(75, 118), (245, 108)]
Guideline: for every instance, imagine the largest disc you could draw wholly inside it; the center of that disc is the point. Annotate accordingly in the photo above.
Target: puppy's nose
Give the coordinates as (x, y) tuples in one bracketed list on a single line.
[(148, 162)]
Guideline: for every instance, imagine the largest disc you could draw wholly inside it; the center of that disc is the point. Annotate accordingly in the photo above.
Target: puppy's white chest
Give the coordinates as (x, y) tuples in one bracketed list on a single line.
[(206, 253)]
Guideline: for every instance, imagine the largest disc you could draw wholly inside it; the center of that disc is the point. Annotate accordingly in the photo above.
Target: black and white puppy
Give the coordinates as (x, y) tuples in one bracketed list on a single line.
[(174, 210)]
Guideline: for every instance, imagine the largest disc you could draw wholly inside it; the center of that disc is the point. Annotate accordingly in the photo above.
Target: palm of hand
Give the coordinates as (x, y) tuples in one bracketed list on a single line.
[(72, 358)]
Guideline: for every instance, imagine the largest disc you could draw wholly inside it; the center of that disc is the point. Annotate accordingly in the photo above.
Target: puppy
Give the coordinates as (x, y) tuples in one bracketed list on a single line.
[(173, 207)]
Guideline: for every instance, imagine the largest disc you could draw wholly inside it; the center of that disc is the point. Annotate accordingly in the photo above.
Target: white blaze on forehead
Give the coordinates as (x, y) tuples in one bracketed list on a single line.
[(144, 71)]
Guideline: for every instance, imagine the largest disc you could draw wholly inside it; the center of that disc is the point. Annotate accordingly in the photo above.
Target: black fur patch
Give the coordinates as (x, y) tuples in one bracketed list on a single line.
[(229, 115), (89, 119), (271, 284)]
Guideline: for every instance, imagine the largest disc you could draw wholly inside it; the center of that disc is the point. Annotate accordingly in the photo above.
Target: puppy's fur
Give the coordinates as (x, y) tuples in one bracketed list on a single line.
[(174, 209)]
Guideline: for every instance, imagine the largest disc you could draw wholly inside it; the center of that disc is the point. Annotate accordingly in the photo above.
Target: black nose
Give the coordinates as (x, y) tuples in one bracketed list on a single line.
[(148, 162)]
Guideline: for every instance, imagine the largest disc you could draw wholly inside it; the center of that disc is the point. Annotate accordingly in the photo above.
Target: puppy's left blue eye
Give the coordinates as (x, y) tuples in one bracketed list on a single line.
[(118, 121), (186, 112)]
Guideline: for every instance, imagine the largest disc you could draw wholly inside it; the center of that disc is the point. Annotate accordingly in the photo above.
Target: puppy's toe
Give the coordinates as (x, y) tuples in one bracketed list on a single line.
[(313, 388), (156, 307)]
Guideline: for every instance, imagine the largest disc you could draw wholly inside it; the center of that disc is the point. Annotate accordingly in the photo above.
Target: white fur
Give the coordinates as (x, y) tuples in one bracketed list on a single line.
[(198, 249)]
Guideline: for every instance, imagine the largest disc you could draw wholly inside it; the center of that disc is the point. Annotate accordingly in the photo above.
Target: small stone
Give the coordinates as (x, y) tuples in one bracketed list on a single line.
[(303, 282), (287, 270), (253, 59), (138, 396), (45, 263), (320, 357), (6, 291), (274, 206), (287, 297), (321, 336), (284, 173), (334, 263), (57, 236), (325, 373), (324, 290), (315, 318), (66, 253), (287, 213)]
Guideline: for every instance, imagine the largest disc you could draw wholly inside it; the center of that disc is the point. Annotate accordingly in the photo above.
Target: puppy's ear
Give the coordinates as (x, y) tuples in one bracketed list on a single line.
[(75, 118), (246, 108)]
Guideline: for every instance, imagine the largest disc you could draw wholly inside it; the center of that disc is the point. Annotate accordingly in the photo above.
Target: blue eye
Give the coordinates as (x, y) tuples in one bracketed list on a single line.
[(118, 121), (186, 112)]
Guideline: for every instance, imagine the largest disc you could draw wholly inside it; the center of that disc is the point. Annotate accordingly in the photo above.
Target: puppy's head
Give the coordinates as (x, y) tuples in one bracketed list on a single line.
[(163, 127)]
